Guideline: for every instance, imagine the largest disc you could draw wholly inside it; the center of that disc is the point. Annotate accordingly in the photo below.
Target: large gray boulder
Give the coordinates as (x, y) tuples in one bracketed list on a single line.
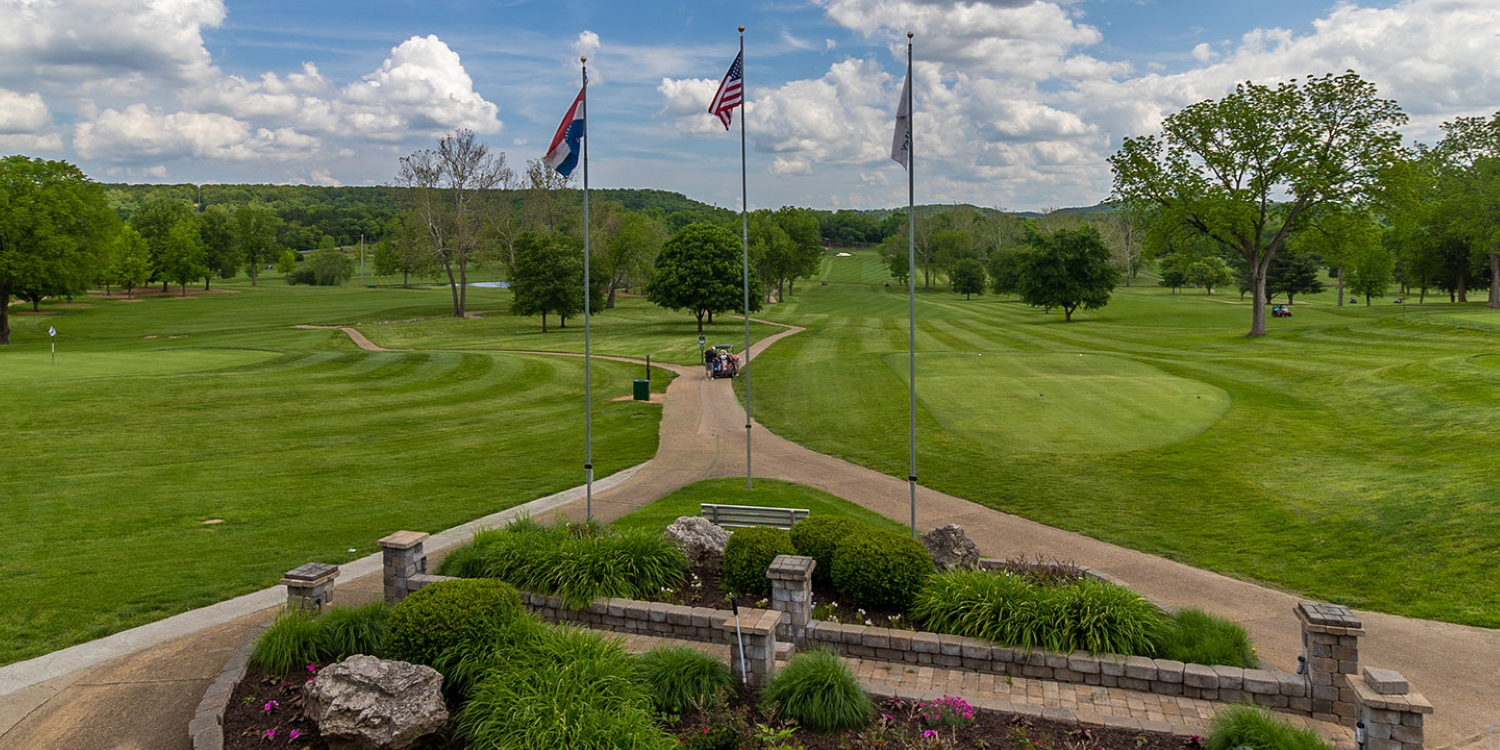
[(369, 703), (701, 540), (951, 548)]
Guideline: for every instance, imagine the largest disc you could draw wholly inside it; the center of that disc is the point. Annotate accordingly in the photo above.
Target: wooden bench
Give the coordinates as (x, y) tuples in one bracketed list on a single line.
[(740, 516)]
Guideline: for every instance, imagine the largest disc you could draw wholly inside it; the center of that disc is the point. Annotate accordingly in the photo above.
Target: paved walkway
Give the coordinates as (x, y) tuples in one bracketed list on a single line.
[(144, 697)]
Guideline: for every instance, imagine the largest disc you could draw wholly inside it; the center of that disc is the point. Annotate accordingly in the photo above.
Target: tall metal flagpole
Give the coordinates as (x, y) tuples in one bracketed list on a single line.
[(911, 284), (745, 245), (588, 400)]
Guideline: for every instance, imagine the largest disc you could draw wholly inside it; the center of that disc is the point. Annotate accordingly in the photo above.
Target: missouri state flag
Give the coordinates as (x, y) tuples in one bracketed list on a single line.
[(567, 146)]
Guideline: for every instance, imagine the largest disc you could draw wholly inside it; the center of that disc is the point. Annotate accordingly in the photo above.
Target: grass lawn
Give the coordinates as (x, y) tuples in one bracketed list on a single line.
[(182, 452), (1348, 455), (771, 493)]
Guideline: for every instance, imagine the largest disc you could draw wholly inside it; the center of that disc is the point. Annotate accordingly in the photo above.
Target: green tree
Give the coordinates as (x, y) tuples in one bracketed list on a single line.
[(255, 238), (1293, 274), (132, 266), (1371, 272), (1173, 271), (630, 252), (402, 250), (1244, 170), (222, 254), (154, 220), (548, 278), (968, 277), (330, 267), (1070, 268), (185, 258), (1209, 273), (286, 265), (54, 222), (1469, 188), (445, 187), (1340, 235), (1004, 267), (698, 271)]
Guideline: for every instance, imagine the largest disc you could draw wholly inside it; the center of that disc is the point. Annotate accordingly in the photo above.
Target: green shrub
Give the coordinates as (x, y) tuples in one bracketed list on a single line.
[(748, 553), (290, 642), (1002, 608), (466, 561), (1100, 618), (880, 568), (1193, 636), (1013, 610), (565, 689), (818, 536), (817, 690), (678, 677), (576, 562), (1247, 726), (346, 631), (450, 614)]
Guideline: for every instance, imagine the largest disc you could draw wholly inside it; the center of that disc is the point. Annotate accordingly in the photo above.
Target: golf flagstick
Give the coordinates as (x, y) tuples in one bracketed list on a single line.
[(735, 607)]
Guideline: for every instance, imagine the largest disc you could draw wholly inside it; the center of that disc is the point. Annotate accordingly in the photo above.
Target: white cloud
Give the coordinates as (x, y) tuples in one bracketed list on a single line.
[(140, 133), (587, 45), (22, 113), (79, 40), (25, 142), (687, 101), (423, 86), (1204, 52)]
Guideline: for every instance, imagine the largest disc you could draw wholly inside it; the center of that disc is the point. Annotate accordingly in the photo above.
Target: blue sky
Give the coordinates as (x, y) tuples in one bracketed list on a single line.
[(1019, 103)]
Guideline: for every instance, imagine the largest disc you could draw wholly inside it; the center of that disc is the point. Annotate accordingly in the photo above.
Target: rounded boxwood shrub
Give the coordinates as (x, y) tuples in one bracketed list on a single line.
[(880, 568), (449, 614), (747, 555), (818, 536), (817, 690)]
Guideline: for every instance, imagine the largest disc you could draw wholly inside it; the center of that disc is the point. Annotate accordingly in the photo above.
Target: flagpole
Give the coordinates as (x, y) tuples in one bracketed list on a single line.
[(588, 401), (911, 286), (745, 247)]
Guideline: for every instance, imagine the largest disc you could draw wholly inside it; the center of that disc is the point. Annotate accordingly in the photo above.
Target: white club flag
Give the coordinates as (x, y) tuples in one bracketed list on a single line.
[(51, 330), (901, 139)]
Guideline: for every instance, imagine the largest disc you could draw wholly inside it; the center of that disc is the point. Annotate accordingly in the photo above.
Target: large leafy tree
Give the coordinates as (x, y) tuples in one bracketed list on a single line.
[(154, 221), (216, 227), (185, 257), (968, 277), (446, 185), (1293, 274), (1341, 236), (1246, 169), (630, 251), (699, 271), (54, 223), (548, 278), (255, 238), (132, 266), (1070, 268), (1469, 187)]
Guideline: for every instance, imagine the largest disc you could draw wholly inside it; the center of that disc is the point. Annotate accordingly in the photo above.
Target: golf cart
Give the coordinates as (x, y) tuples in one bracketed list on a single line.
[(726, 364)]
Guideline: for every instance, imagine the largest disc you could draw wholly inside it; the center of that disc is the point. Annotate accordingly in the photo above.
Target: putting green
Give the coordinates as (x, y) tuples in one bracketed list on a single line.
[(1061, 403), (37, 364)]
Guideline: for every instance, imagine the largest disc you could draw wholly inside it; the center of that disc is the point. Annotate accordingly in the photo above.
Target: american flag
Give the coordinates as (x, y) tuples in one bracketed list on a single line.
[(731, 91)]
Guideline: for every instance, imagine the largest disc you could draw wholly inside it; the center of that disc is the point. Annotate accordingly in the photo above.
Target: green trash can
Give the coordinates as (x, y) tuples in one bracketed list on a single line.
[(642, 390)]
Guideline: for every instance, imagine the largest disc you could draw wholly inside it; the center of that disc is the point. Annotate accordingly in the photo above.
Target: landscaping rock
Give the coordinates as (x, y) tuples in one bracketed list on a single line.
[(700, 540), (365, 702), (951, 548)]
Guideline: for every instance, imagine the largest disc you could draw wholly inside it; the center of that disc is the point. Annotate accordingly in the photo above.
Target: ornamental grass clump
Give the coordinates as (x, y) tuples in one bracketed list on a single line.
[(995, 606), (1257, 729), (880, 568), (566, 689), (291, 641), (817, 690), (1193, 636), (748, 553), (818, 536), (679, 677), (346, 631), (1100, 618)]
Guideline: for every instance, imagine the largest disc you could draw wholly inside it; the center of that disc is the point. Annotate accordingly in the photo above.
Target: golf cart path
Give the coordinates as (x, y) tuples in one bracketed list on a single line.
[(137, 690)]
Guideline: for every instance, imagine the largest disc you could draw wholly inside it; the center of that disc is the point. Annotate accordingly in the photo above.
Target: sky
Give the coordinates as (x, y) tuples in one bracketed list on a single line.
[(1018, 102)]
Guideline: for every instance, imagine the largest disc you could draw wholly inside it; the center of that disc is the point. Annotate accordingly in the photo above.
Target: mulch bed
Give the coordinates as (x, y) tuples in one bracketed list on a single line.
[(262, 703)]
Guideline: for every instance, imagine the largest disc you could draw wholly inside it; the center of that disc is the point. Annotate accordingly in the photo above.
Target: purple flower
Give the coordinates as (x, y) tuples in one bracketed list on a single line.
[(294, 734), (270, 705), (270, 734), (312, 668)]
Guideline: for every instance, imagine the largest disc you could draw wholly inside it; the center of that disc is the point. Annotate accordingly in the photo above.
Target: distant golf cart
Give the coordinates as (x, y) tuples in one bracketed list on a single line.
[(725, 363), (1281, 311)]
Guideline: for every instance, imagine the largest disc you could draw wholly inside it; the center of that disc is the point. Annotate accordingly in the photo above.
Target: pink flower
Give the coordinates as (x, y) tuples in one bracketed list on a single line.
[(294, 734), (929, 733), (270, 705), (270, 734), (312, 667)]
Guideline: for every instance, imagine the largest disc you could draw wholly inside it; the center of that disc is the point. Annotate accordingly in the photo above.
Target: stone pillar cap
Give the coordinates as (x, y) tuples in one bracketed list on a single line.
[(791, 567), (754, 621), (1336, 617), (309, 574), (404, 539)]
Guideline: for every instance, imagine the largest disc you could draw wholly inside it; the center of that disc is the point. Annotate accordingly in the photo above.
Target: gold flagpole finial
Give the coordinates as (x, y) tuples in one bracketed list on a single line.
[(742, 29), (910, 34)]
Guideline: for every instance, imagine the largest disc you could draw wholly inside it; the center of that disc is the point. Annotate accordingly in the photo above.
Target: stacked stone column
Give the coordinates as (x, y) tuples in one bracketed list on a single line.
[(404, 559), (310, 586), (1330, 648), (755, 641), (1391, 713), (791, 592)]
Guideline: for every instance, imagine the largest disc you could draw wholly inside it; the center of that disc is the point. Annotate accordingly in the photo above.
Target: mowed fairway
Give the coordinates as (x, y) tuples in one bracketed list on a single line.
[(182, 452), (1348, 455)]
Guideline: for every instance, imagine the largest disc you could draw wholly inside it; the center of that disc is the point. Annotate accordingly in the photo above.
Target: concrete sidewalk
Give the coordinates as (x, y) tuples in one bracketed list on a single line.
[(144, 696)]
